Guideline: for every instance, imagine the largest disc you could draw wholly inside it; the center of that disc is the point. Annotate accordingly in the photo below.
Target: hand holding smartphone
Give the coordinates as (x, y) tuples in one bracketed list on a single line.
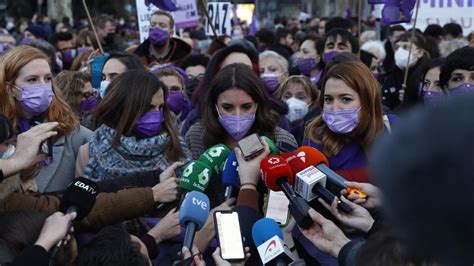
[(251, 146), (229, 236)]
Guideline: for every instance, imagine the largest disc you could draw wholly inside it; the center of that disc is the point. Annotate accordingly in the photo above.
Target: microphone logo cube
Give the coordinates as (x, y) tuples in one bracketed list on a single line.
[(85, 187), (216, 151)]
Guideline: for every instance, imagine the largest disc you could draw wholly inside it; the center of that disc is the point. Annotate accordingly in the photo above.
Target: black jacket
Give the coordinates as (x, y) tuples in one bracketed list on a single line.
[(179, 51)]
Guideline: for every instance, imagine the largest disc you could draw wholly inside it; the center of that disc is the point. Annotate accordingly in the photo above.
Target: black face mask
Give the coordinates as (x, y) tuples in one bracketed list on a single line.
[(110, 37), (192, 85)]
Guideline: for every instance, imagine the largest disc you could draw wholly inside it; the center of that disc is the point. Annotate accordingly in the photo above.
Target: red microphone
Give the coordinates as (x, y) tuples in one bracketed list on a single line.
[(277, 176), (310, 157)]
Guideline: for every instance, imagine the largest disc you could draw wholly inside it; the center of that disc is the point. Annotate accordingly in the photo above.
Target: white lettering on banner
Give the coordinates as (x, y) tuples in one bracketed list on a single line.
[(185, 16), (445, 11), (219, 12)]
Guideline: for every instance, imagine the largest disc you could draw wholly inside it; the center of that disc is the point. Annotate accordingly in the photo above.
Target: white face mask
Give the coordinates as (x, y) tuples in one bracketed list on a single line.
[(8, 152), (297, 109), (401, 58), (103, 87)]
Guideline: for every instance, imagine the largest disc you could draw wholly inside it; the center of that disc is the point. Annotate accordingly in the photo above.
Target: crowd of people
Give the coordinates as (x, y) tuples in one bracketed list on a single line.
[(162, 103)]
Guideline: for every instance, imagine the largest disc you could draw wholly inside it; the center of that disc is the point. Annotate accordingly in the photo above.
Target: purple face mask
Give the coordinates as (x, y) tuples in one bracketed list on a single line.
[(430, 97), (236, 125), (81, 50), (68, 56), (88, 104), (271, 83), (158, 36), (149, 124), (341, 121), (175, 101), (35, 99), (328, 56), (25, 40), (461, 89), (306, 65)]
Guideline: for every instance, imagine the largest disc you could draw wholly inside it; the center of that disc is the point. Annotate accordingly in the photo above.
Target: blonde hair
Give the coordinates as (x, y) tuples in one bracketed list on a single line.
[(302, 81), (12, 62), (280, 59)]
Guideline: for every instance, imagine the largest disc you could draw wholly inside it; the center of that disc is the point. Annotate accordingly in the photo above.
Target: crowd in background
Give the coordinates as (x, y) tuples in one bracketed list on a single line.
[(158, 105)]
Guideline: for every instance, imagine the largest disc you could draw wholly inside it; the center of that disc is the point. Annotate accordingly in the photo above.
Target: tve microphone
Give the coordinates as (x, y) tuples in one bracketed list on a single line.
[(230, 176), (310, 180), (79, 197), (193, 214), (277, 176), (215, 157), (271, 247)]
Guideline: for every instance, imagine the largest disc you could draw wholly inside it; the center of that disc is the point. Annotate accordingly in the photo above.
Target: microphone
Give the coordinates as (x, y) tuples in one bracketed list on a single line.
[(273, 148), (312, 156), (79, 197), (195, 176), (277, 176), (230, 176), (215, 158), (193, 214), (310, 181), (271, 247)]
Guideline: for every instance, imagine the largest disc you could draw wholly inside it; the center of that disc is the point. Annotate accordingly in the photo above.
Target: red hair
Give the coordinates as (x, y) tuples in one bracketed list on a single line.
[(12, 62)]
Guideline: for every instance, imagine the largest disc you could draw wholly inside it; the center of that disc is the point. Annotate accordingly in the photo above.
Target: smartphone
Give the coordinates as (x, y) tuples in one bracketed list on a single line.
[(46, 147), (277, 208), (250, 146), (229, 236)]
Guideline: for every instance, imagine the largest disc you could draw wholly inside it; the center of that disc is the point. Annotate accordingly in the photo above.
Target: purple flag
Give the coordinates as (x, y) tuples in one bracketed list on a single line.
[(167, 5), (254, 25), (397, 11), (235, 19)]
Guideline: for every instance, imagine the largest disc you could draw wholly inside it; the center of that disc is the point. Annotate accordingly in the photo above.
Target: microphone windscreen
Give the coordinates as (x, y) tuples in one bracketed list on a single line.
[(230, 173), (80, 194), (265, 229), (273, 148), (273, 168), (295, 163), (195, 177), (311, 156), (195, 208), (215, 157)]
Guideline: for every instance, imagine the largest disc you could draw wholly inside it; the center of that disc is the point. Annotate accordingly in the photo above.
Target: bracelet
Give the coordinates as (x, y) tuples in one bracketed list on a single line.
[(248, 184)]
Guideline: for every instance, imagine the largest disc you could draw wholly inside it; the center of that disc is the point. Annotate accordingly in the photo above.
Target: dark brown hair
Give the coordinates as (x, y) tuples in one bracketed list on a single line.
[(71, 83), (358, 77), (123, 105), (242, 77)]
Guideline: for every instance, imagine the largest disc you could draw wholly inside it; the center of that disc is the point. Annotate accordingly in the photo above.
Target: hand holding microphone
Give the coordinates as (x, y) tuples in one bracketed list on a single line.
[(324, 234), (79, 198), (55, 229), (166, 191), (359, 218), (373, 193)]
